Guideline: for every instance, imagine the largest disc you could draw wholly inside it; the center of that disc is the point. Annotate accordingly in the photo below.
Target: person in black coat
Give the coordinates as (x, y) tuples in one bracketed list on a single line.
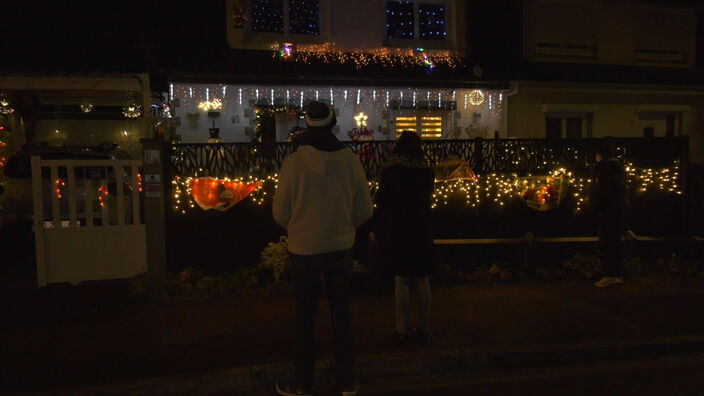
[(402, 227), (609, 199)]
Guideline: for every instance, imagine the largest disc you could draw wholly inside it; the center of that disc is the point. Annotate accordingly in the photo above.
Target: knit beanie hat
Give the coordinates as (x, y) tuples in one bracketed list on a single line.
[(320, 115)]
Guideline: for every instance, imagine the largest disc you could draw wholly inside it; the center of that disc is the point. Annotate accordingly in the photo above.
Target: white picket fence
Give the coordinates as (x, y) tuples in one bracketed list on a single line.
[(82, 231)]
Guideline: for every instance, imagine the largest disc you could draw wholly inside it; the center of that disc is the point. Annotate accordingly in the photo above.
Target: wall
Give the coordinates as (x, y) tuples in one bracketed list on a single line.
[(615, 111), (237, 118), (610, 32)]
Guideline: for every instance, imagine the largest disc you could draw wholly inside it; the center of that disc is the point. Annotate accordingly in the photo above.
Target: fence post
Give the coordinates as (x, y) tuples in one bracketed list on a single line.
[(478, 155), (157, 183)]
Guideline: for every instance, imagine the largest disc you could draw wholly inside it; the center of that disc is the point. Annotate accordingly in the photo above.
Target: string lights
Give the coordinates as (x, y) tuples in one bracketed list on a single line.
[(253, 188), (476, 97), (361, 58), (496, 189)]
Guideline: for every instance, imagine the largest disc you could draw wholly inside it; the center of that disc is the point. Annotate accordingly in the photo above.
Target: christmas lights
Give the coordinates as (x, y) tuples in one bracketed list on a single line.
[(361, 58), (476, 97), (496, 189), (210, 105), (132, 110)]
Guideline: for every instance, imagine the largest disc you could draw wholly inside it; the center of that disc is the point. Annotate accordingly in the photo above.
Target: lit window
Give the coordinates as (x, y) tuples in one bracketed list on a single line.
[(399, 19), (267, 16), (304, 17), (431, 22), (407, 20), (405, 124), (431, 127)]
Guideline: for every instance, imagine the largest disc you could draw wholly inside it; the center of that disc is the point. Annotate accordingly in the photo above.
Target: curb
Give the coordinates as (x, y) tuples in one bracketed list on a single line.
[(245, 379)]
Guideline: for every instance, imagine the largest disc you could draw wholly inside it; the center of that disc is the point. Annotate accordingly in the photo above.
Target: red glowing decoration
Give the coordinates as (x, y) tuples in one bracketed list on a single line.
[(543, 196), (219, 194)]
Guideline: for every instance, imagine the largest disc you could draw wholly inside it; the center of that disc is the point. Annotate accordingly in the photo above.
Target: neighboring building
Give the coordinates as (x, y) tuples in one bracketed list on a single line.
[(593, 68)]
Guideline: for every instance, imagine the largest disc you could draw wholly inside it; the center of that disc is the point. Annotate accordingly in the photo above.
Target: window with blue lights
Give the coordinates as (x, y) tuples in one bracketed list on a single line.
[(431, 22), (399, 20), (268, 16), (304, 17)]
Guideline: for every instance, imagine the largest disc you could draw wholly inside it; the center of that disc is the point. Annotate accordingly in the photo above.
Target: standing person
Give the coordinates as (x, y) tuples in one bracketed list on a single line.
[(321, 198), (403, 227), (609, 198)]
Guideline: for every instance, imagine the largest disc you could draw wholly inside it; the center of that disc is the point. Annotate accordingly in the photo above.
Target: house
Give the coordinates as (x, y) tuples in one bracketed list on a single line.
[(593, 68), (403, 65)]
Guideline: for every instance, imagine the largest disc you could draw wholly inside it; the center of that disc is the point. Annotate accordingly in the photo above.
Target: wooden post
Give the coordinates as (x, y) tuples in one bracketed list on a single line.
[(156, 185), (38, 202)]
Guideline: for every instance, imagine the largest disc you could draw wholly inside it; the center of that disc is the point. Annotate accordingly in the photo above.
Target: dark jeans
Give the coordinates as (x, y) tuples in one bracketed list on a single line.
[(336, 269), (610, 232)]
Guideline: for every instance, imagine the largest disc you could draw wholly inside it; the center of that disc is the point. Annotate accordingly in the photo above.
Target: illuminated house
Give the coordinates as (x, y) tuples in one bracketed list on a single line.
[(403, 64)]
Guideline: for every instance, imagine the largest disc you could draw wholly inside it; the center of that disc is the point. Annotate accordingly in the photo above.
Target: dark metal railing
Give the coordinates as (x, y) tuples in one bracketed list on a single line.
[(520, 156)]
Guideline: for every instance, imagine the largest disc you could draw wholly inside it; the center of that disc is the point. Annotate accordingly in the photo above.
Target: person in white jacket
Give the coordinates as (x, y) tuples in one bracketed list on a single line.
[(321, 198)]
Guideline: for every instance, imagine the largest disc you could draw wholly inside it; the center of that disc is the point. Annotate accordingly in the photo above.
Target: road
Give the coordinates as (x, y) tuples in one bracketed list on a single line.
[(671, 376)]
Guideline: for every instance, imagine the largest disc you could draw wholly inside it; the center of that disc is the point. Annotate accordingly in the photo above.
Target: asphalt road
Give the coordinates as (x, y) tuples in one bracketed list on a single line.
[(670, 376)]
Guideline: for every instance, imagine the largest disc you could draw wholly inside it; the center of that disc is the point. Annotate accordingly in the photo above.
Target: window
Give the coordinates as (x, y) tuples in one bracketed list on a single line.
[(268, 16), (431, 18), (553, 128), (429, 125), (303, 16), (408, 123), (568, 125), (408, 20), (399, 19)]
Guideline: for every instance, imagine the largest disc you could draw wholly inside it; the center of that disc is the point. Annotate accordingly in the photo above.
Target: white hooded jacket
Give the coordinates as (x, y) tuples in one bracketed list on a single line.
[(321, 198)]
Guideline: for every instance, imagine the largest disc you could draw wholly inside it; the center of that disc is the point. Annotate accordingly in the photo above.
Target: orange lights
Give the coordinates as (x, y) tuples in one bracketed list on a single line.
[(102, 195), (59, 184), (139, 182), (360, 58), (218, 194)]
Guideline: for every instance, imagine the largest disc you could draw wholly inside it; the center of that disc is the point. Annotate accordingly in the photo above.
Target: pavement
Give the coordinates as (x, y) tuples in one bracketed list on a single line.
[(92, 340)]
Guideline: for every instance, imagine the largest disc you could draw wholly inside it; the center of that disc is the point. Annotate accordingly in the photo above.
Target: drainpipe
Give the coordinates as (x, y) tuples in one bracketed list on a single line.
[(513, 91)]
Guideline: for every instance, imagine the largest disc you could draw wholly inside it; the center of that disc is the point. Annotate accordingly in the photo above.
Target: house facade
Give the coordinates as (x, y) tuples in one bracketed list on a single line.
[(592, 68)]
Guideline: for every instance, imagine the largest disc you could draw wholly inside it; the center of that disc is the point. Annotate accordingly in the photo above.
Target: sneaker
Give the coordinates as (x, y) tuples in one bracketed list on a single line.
[(398, 338), (608, 281), (350, 392), (420, 336), (288, 389)]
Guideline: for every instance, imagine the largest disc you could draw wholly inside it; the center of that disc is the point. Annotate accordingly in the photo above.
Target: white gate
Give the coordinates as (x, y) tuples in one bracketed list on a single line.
[(85, 228)]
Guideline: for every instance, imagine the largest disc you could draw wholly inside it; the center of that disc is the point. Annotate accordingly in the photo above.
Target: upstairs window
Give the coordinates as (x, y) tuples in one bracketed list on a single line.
[(268, 16), (302, 16), (410, 20), (399, 19), (431, 18)]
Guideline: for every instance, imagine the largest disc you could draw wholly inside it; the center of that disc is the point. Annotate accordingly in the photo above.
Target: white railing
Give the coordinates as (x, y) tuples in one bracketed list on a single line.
[(89, 190), (82, 231)]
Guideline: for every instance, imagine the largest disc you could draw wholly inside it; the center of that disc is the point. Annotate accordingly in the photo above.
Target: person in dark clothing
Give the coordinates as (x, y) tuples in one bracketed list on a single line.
[(609, 199), (402, 223)]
